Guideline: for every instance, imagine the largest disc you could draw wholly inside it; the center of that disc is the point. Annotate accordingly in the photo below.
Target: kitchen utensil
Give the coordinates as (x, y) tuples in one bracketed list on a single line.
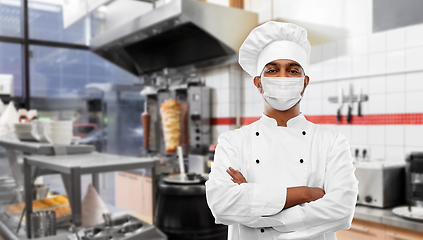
[(381, 184), (145, 120), (360, 99), (40, 191), (43, 224), (350, 104), (416, 213), (414, 179), (181, 160), (340, 103)]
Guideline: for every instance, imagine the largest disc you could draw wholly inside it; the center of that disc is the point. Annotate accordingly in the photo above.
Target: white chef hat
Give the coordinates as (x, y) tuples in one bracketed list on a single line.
[(272, 41)]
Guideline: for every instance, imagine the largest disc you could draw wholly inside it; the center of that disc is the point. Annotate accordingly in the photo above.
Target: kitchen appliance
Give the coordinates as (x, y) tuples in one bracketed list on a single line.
[(183, 34), (182, 212), (381, 184), (195, 103), (125, 227), (414, 179)]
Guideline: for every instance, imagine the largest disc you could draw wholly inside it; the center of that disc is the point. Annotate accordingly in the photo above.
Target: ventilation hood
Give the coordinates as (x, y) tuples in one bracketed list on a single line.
[(183, 34)]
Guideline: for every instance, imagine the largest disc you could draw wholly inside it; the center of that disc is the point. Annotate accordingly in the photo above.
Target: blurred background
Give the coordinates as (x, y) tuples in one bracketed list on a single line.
[(103, 63)]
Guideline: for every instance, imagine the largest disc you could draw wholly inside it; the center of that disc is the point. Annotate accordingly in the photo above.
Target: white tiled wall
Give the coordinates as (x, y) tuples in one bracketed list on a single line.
[(386, 66), (225, 83)]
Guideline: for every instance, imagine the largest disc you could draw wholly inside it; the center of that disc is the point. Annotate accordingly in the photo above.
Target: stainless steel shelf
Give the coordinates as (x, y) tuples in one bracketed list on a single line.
[(43, 148), (385, 216), (71, 167)]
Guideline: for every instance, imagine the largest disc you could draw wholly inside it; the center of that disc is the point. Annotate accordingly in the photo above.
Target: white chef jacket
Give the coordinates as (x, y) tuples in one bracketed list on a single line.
[(273, 158)]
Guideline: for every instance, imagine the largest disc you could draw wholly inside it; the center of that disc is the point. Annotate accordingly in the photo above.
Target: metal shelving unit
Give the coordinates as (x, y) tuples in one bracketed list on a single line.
[(71, 167)]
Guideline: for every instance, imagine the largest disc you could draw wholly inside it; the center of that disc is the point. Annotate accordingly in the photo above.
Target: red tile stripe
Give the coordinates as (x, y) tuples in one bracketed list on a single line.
[(223, 121), (372, 119)]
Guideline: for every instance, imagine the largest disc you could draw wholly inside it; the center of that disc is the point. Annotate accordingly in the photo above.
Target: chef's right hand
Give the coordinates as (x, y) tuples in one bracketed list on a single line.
[(315, 193)]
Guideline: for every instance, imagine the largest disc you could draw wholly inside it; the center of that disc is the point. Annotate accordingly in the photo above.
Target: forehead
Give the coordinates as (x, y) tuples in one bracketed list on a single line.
[(283, 63)]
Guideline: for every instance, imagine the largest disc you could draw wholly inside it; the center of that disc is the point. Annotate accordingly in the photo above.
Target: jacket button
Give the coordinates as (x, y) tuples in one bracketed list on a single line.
[(257, 133), (257, 161), (262, 230), (301, 161), (304, 133)]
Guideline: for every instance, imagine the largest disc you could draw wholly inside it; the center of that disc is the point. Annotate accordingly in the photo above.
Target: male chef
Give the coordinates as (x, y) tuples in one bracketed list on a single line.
[(281, 177)]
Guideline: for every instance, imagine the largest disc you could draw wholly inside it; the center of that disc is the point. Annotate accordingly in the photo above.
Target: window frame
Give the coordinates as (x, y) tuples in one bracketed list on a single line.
[(25, 42)]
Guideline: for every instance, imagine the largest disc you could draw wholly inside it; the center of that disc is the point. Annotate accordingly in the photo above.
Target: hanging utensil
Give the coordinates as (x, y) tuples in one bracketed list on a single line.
[(340, 103), (350, 104), (360, 99)]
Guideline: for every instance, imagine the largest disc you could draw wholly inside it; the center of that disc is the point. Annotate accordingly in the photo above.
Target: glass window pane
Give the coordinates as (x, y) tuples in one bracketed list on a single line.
[(61, 72), (11, 63), (11, 18), (46, 23), (109, 120)]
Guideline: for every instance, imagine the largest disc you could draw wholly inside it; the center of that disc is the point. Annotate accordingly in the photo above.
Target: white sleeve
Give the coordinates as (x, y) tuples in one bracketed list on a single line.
[(332, 212), (243, 204), (307, 233)]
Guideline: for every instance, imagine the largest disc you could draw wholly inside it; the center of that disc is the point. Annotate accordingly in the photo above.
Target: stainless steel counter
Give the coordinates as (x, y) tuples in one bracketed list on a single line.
[(385, 216)]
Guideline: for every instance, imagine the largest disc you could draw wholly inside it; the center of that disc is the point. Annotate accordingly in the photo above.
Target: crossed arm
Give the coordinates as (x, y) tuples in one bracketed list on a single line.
[(294, 195), (258, 205)]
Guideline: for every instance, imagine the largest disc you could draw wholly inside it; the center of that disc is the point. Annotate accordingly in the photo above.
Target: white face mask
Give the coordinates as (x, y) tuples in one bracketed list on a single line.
[(282, 93)]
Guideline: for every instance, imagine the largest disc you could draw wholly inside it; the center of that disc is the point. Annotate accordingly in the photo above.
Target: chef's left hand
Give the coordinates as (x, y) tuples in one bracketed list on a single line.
[(236, 175)]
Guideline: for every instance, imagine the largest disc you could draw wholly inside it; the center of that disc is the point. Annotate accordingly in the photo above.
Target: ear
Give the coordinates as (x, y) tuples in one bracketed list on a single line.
[(257, 83), (306, 81)]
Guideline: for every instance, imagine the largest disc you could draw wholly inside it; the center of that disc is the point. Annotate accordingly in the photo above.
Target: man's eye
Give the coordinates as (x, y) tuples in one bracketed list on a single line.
[(294, 71), (271, 70)]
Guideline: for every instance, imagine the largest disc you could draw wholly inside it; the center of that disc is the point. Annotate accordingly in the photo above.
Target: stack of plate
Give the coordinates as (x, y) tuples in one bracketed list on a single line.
[(59, 132), (23, 131)]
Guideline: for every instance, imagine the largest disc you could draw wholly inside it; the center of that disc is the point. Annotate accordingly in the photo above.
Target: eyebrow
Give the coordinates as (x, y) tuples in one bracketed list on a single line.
[(291, 64)]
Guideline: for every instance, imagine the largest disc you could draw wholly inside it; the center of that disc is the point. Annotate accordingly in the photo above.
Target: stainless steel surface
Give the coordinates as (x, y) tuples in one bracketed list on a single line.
[(417, 178), (380, 184), (40, 191), (43, 148), (44, 224), (72, 167), (385, 216), (12, 157), (199, 119), (197, 163), (123, 228), (414, 179), (182, 33)]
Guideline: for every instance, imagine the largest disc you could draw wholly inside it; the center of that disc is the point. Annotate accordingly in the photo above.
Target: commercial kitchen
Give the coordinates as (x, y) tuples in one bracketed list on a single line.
[(111, 111)]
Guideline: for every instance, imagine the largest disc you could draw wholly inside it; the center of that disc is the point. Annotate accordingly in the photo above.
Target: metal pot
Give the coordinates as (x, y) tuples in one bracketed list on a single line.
[(182, 211)]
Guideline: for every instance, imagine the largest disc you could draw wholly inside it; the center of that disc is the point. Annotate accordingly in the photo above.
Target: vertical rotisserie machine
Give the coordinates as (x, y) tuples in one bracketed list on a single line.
[(195, 105)]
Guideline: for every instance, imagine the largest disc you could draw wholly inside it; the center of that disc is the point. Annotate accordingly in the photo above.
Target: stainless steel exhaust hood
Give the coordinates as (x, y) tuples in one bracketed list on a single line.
[(185, 34)]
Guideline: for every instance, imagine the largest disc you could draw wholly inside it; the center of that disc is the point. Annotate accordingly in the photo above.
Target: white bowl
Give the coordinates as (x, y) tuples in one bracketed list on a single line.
[(59, 129), (61, 123), (59, 138)]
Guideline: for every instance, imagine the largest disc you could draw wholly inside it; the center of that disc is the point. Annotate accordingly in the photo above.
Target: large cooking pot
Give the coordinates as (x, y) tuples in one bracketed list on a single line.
[(182, 211)]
